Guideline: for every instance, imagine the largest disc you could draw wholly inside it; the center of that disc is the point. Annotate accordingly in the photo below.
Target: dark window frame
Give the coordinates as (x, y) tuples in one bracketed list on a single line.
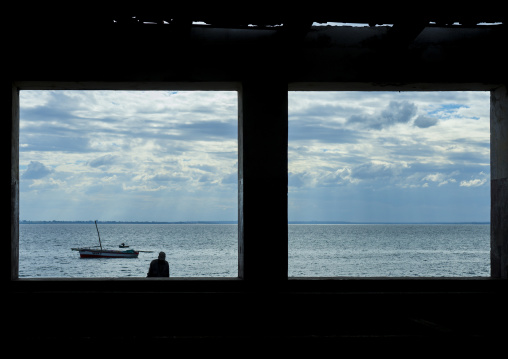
[(255, 267)]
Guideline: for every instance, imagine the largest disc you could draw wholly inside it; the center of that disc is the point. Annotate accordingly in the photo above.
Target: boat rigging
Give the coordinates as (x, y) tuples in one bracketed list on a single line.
[(94, 252)]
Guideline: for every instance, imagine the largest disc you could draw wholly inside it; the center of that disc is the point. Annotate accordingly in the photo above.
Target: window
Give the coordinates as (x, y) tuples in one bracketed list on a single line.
[(388, 184), (135, 161), (276, 256)]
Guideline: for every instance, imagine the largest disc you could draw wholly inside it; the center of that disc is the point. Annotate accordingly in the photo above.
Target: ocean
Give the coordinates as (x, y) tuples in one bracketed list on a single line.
[(210, 250)]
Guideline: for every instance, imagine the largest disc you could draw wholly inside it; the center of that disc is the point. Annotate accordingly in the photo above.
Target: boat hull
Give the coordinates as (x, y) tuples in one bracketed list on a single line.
[(92, 253)]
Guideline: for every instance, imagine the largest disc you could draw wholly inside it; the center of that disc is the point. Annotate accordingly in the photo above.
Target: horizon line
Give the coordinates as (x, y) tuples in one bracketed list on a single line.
[(236, 222)]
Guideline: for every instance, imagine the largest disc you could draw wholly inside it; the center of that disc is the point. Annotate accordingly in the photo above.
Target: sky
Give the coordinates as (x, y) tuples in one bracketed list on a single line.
[(173, 156), (128, 156), (389, 156)]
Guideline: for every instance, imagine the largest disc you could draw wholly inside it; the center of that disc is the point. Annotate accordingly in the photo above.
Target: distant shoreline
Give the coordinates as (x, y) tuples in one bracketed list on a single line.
[(232, 222), (127, 222)]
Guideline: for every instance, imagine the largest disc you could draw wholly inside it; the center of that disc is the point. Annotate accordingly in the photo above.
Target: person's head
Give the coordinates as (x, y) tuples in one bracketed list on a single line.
[(162, 256)]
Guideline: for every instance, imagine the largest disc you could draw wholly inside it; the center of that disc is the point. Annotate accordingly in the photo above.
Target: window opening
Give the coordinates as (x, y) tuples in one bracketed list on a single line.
[(157, 169), (389, 184)]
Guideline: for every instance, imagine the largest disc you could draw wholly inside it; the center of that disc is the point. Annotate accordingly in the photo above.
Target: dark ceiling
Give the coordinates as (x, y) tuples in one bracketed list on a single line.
[(258, 13)]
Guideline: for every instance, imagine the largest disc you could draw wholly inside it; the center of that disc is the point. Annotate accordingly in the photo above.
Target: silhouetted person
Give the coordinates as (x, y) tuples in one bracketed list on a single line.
[(159, 267)]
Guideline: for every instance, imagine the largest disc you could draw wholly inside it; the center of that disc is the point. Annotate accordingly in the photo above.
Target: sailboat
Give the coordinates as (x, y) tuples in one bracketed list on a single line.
[(106, 253), (96, 252)]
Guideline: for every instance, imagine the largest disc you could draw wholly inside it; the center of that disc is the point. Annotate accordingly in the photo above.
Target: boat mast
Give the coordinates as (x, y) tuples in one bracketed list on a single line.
[(98, 234)]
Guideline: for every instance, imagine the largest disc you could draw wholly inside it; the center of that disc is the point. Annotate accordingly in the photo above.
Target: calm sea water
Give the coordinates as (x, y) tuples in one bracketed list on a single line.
[(203, 250)]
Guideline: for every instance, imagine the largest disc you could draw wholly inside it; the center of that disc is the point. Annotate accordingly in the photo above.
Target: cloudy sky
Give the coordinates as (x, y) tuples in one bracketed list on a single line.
[(389, 156), (141, 156), (172, 156)]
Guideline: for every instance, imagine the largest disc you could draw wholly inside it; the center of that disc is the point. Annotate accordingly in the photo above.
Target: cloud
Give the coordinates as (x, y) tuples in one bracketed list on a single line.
[(207, 130), (342, 176), (177, 177), (319, 111), (473, 183), (103, 161), (374, 169), (36, 170), (52, 137), (425, 121), (476, 182), (295, 179), (231, 178), (440, 178), (204, 168), (396, 112), (323, 132)]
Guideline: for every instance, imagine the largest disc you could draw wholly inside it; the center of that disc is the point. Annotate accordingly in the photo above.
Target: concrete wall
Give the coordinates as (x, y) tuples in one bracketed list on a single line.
[(499, 182), (262, 65)]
